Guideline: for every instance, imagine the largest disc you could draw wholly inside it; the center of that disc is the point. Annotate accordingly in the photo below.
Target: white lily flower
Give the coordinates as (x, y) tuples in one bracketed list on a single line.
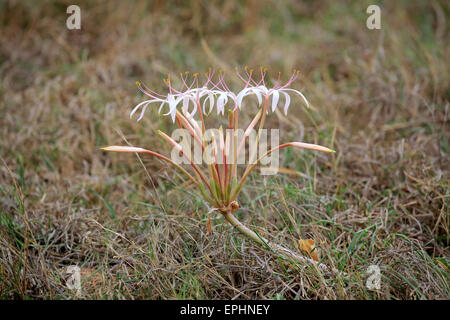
[(172, 101), (225, 96), (260, 89), (218, 95), (275, 93), (145, 104)]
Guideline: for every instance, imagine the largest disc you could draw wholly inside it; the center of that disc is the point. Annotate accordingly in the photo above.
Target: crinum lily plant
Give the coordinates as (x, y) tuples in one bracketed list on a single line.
[(218, 180)]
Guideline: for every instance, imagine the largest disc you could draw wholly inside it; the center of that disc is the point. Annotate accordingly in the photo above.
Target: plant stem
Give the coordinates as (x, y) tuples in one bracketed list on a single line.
[(274, 248)]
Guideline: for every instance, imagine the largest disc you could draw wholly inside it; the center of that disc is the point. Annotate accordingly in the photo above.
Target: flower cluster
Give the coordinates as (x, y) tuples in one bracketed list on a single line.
[(217, 94)]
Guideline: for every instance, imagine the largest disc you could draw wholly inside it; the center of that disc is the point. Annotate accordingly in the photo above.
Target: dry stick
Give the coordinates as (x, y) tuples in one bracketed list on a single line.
[(275, 248)]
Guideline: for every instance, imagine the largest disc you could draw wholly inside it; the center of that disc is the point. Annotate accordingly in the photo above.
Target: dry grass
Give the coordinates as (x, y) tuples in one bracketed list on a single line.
[(380, 98)]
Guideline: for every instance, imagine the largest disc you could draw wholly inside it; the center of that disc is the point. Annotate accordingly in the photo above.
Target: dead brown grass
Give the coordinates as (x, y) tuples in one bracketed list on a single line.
[(381, 100)]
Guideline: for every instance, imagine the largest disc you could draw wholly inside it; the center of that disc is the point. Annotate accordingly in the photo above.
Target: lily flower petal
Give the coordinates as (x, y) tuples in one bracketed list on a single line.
[(287, 103), (185, 103), (241, 96), (258, 96), (146, 102), (221, 102), (275, 98), (299, 93)]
